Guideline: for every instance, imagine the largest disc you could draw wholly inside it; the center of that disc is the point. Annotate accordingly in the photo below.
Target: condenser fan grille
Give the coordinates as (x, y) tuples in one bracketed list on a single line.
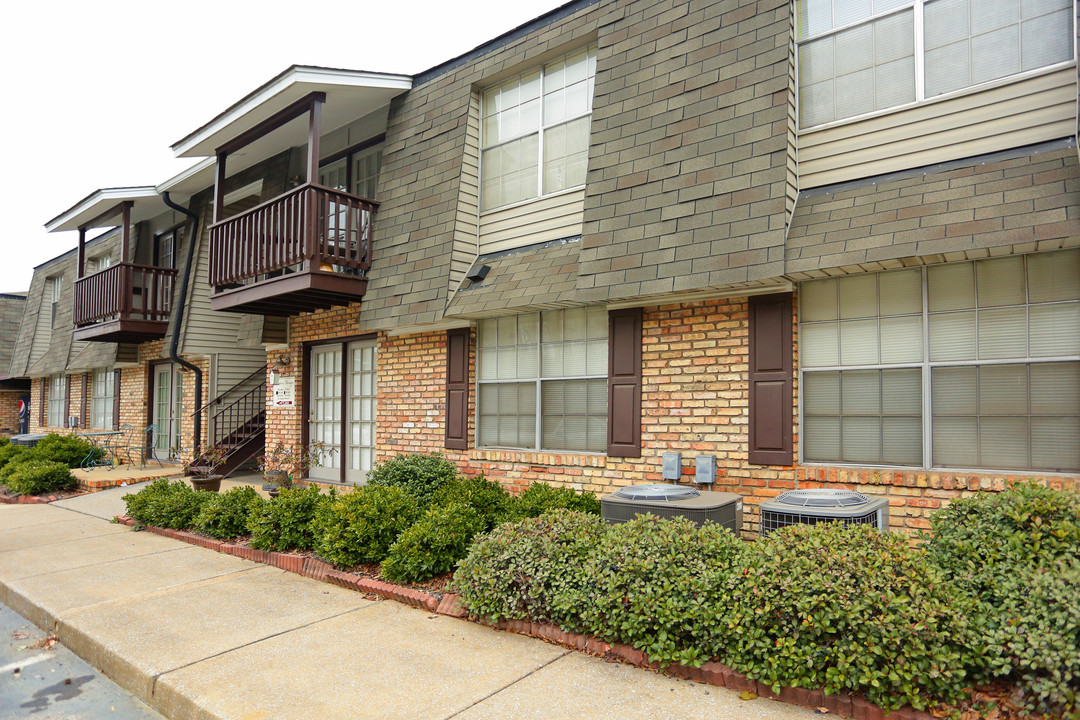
[(822, 498), (657, 493)]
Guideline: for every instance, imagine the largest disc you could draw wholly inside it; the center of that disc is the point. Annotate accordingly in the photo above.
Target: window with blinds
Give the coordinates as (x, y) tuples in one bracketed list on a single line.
[(535, 131), (57, 401), (542, 380), (102, 400), (859, 56), (967, 365)]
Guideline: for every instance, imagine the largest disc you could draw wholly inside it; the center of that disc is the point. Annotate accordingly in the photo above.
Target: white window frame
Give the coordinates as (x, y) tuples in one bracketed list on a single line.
[(927, 367), (538, 380), (57, 407), (102, 400), (543, 129), (917, 7), (56, 290)]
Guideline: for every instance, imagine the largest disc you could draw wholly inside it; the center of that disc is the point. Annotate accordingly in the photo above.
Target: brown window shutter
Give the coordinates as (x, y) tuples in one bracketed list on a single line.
[(116, 400), (67, 401), (42, 401), (624, 383), (457, 389), (771, 388)]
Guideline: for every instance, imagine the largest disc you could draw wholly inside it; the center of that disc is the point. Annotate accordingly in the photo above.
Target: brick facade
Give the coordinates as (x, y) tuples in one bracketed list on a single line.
[(9, 411)]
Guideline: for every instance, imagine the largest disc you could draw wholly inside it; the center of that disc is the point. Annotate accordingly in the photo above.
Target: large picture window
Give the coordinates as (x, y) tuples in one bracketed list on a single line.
[(859, 56), (543, 380), (968, 365), (535, 131), (102, 400)]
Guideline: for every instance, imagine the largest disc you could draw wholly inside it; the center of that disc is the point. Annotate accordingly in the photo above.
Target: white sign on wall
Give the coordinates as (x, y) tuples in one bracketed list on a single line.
[(284, 392)]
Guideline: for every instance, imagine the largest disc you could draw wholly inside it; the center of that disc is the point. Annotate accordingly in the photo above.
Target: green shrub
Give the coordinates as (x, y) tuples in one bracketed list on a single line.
[(37, 477), (4, 440), (1017, 553), (288, 521), (1036, 636), (659, 585), (541, 497), (225, 514), (529, 569), (140, 504), (10, 457), (850, 610), (419, 474), (167, 504), (359, 527), (487, 498), (434, 544), (68, 449)]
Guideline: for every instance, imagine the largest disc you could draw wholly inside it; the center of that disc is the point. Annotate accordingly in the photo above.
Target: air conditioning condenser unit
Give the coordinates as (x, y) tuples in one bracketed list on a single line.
[(673, 501), (814, 505)]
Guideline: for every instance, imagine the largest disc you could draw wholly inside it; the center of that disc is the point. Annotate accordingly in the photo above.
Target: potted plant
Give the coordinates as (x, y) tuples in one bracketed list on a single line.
[(203, 470), (284, 465)]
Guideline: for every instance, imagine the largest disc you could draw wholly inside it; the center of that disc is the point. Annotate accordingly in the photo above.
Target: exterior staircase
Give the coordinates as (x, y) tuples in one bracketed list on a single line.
[(237, 424)]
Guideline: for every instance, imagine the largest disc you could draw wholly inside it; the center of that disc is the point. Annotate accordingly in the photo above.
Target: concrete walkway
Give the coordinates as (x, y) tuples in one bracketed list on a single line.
[(199, 635)]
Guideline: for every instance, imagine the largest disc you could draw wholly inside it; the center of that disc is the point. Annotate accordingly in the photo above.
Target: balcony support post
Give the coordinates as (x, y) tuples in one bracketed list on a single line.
[(314, 131), (125, 232), (82, 252), (219, 184)]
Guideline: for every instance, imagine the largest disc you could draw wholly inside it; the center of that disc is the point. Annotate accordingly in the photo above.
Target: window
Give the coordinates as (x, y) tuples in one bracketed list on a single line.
[(98, 263), (858, 56), (968, 365), (102, 400), (535, 131), (542, 380), (55, 289), (356, 173), (166, 244), (57, 401)]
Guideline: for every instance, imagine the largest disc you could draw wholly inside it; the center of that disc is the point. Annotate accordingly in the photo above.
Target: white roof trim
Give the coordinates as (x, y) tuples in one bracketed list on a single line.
[(96, 203), (293, 76), (184, 175)]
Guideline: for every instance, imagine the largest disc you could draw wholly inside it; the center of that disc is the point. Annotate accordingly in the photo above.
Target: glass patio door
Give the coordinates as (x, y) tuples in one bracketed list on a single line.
[(341, 411), (167, 410)]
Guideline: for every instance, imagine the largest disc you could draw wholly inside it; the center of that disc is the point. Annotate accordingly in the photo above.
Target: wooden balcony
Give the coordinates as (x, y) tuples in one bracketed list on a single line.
[(309, 248), (123, 303)]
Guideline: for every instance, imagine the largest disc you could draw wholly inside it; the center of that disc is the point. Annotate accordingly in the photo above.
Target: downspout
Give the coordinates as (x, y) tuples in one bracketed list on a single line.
[(174, 342)]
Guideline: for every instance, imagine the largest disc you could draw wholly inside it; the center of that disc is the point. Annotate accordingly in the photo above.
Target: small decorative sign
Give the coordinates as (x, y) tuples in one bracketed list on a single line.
[(284, 392)]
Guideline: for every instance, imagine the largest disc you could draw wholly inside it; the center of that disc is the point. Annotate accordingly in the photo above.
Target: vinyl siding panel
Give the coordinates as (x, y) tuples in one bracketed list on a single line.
[(1034, 110), (233, 366), (549, 218)]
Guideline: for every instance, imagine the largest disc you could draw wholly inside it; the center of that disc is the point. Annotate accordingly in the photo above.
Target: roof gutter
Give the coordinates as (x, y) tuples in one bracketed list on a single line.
[(174, 342)]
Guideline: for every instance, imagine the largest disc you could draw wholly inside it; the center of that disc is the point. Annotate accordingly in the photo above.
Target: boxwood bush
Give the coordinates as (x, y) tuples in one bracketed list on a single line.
[(529, 569), (435, 543), (850, 609), (12, 455), (360, 526), (68, 449), (421, 475), (659, 585), (1016, 553), (225, 515), (540, 497), (288, 521), (38, 477), (488, 499), (166, 504)]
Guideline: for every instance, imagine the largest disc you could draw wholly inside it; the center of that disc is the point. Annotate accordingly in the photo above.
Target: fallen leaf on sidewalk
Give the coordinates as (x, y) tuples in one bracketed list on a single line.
[(19, 636), (747, 695), (43, 643)]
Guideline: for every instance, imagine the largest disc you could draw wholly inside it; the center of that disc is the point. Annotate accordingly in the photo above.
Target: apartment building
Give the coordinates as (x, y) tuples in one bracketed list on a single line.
[(827, 243)]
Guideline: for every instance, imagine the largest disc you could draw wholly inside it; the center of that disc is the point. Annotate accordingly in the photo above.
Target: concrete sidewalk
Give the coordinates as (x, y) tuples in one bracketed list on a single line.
[(199, 635)]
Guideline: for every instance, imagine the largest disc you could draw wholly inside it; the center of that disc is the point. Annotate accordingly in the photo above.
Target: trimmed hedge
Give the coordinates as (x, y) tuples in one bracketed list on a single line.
[(434, 544), (288, 521), (360, 526), (488, 499), (421, 475), (225, 515), (540, 498), (167, 504), (39, 477)]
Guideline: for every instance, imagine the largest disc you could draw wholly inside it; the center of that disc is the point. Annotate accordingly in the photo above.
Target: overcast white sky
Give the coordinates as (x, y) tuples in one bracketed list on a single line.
[(95, 92)]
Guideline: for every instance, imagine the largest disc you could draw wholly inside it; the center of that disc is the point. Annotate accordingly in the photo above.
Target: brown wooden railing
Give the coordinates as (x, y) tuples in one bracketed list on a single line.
[(125, 291), (241, 409), (308, 228)]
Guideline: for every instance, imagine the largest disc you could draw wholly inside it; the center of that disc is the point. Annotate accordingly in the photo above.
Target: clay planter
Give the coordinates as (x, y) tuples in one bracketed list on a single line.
[(211, 483)]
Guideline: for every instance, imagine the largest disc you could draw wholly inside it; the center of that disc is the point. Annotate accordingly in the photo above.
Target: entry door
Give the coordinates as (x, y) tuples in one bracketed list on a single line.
[(341, 412), (168, 409)]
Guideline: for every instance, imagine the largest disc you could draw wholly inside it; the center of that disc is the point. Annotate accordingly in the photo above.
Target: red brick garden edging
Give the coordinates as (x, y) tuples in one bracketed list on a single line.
[(710, 673), (30, 499)]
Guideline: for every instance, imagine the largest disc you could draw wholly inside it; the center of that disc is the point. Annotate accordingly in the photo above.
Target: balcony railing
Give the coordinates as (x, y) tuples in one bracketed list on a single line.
[(140, 295), (310, 229)]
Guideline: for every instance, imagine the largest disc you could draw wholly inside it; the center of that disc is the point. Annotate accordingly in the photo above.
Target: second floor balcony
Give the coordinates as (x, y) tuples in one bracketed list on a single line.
[(306, 249), (123, 303)]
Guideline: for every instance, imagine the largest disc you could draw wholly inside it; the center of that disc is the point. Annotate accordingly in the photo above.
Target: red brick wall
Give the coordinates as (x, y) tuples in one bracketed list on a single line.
[(9, 412)]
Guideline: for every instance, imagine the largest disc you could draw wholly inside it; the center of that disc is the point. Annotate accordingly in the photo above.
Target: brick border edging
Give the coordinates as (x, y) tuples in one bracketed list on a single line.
[(307, 566), (710, 673), (33, 499)]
